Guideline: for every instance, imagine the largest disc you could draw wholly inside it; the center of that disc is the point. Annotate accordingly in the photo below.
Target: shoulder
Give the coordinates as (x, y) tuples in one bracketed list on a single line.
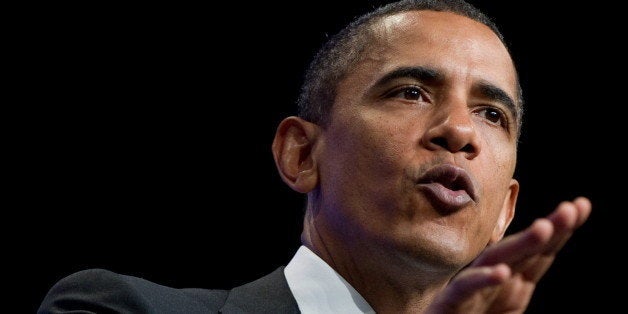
[(269, 294), (99, 290)]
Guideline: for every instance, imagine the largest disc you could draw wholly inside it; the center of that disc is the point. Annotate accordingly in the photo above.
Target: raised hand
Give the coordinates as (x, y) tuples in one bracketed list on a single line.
[(502, 279)]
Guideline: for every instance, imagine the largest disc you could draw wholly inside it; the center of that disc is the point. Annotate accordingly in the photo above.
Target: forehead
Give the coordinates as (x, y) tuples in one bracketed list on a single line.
[(455, 45)]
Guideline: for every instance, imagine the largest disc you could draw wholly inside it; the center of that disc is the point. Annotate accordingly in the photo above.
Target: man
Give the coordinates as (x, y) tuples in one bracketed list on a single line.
[(406, 148)]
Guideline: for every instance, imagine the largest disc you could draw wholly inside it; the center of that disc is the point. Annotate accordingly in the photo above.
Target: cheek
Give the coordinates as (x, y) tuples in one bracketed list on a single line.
[(494, 169), (498, 155), (365, 159), (371, 143), (393, 133)]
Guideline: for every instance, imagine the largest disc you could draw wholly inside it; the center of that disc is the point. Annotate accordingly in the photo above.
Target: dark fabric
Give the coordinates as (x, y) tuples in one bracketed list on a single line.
[(270, 294), (102, 291)]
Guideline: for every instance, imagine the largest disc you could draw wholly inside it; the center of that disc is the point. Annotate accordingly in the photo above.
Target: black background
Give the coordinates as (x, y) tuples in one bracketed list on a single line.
[(144, 143)]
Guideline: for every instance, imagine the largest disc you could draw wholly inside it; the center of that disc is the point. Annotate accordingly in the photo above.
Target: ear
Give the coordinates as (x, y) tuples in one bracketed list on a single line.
[(507, 212), (292, 149)]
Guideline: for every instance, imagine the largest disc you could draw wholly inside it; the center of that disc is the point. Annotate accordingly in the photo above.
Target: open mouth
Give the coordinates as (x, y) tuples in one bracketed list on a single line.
[(448, 187)]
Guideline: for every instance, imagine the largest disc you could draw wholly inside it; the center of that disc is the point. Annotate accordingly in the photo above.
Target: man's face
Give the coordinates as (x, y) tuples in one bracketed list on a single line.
[(419, 153)]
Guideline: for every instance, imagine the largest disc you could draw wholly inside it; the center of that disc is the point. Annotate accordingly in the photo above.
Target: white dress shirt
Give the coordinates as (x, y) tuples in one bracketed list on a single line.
[(318, 288)]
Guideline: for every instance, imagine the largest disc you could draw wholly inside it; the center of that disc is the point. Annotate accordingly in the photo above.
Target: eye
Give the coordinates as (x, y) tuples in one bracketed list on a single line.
[(411, 93), (494, 116)]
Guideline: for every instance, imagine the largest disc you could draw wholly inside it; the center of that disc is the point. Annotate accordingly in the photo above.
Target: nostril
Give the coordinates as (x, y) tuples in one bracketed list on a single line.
[(468, 148), (440, 141), (450, 146)]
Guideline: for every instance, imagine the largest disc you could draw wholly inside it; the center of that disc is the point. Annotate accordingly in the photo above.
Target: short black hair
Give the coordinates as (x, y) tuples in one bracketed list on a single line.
[(346, 48)]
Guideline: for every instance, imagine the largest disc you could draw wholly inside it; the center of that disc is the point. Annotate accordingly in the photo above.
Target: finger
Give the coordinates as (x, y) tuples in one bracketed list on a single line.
[(513, 249), (535, 267), (469, 282), (565, 220), (517, 247), (584, 209), (567, 217), (572, 217), (473, 279)]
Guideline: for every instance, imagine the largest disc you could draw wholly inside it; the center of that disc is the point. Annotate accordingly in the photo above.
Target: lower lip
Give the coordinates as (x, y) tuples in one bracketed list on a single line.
[(445, 199)]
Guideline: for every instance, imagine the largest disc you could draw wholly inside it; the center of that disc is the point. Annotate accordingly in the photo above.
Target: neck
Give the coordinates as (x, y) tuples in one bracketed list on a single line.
[(390, 282)]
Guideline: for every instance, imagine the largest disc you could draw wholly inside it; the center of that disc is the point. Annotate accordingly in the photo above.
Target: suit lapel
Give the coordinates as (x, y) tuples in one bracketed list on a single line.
[(269, 294)]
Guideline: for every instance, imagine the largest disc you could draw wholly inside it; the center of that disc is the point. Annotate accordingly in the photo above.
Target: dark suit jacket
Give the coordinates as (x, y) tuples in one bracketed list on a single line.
[(102, 291)]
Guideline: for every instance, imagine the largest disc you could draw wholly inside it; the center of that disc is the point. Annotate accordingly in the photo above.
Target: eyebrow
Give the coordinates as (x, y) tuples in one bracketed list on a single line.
[(436, 77), (424, 74), (494, 93)]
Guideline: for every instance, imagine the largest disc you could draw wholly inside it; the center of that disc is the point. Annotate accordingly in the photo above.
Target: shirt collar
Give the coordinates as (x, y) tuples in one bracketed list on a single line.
[(318, 288)]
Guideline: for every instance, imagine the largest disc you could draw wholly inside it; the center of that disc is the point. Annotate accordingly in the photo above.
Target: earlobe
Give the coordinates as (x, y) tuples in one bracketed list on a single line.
[(507, 212), (293, 149)]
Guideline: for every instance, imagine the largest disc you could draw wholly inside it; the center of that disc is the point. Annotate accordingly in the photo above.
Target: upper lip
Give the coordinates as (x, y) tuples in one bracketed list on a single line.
[(451, 177)]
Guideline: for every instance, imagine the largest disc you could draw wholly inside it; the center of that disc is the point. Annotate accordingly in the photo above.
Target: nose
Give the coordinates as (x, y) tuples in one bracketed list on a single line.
[(452, 129)]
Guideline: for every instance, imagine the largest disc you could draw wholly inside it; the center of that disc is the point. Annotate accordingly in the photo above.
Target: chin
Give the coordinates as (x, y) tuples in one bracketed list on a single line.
[(439, 254)]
